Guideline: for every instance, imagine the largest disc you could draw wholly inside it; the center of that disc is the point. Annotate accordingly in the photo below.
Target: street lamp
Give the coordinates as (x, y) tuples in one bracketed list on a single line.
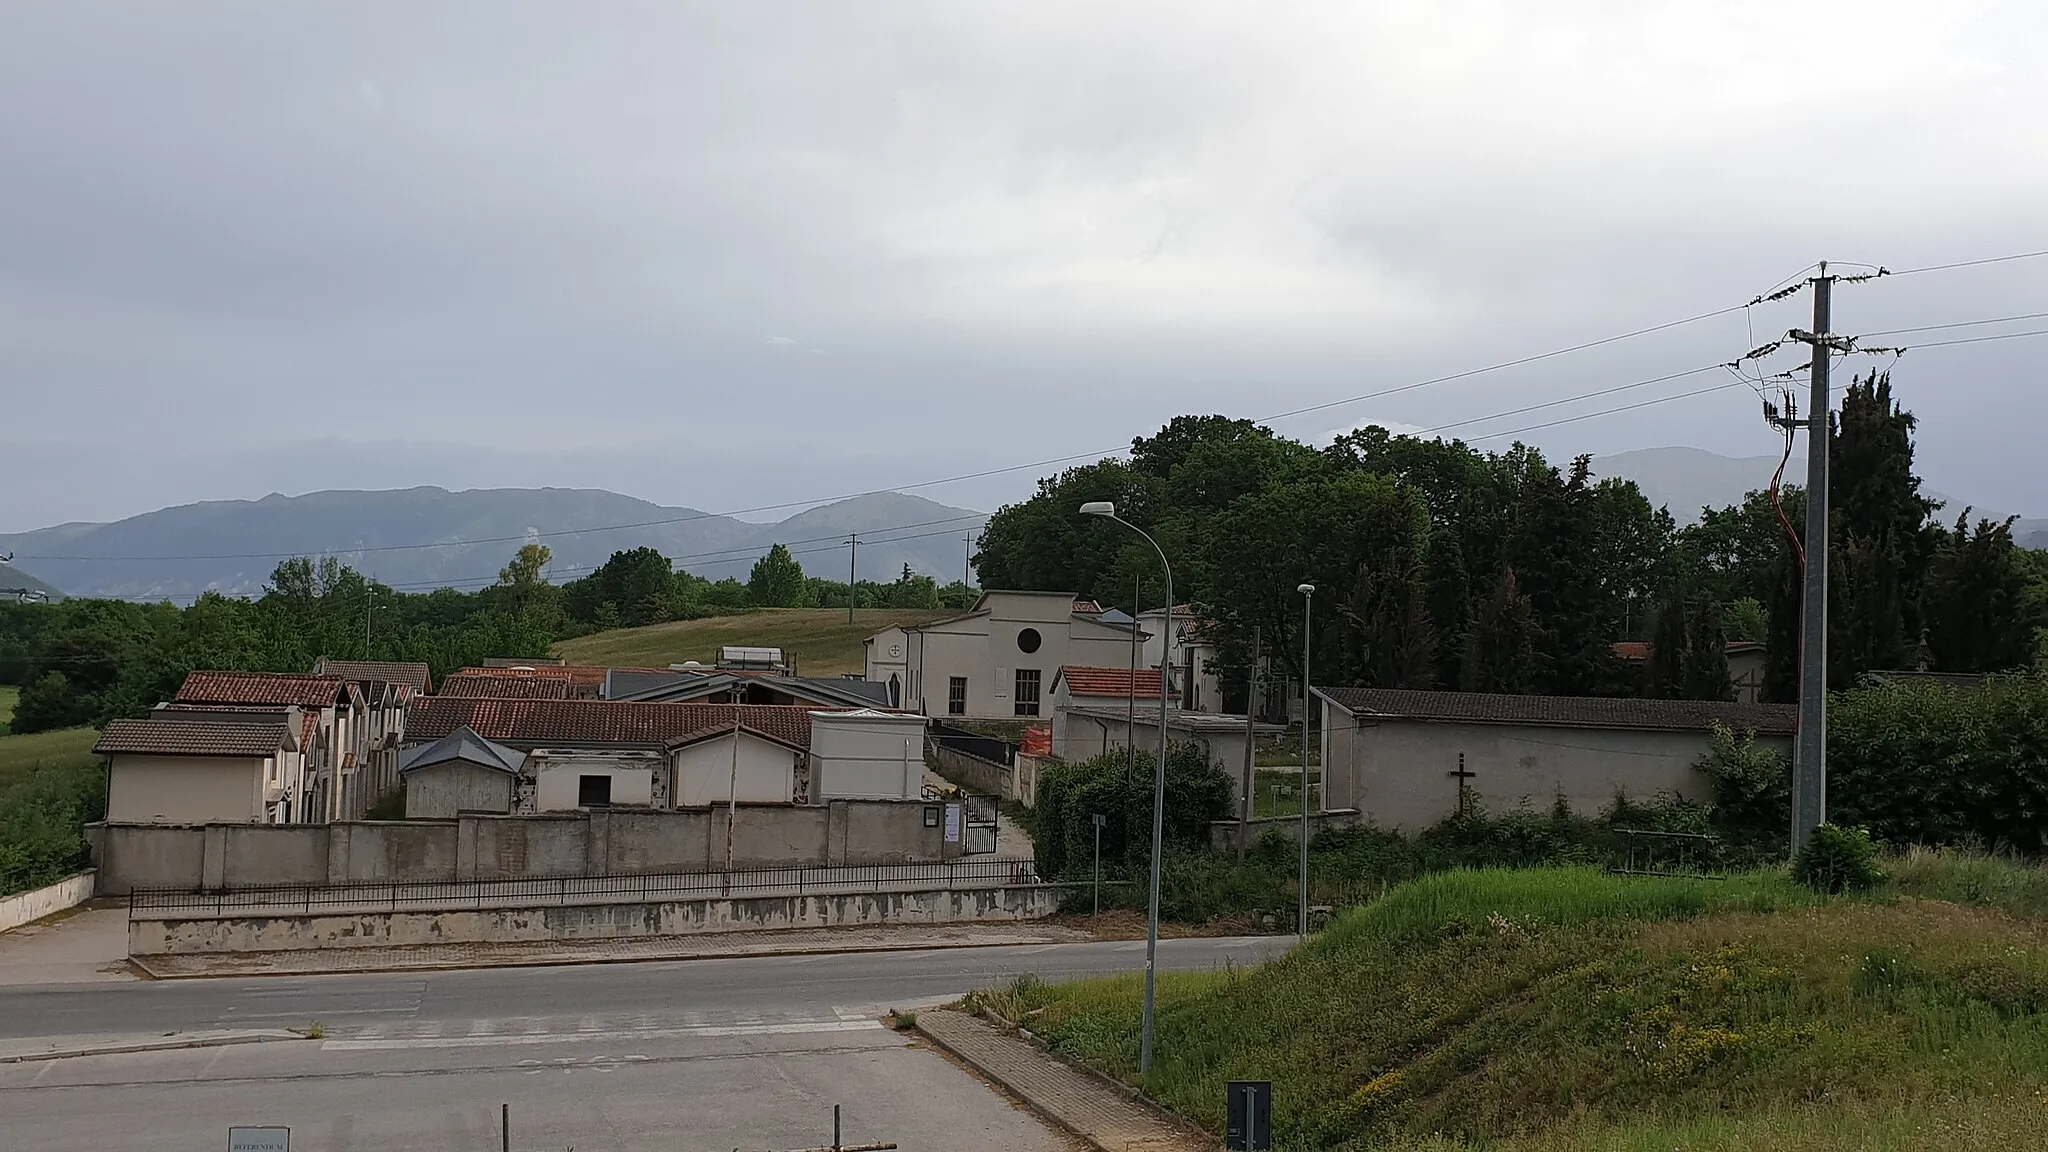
[(1107, 511), (1308, 599)]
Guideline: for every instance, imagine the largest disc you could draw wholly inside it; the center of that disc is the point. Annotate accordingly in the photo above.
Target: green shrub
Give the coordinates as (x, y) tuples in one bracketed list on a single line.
[(1838, 859), (42, 821), (1120, 788)]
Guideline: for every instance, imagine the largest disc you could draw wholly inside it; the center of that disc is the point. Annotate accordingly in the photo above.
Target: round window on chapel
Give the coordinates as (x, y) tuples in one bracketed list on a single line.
[(1027, 640)]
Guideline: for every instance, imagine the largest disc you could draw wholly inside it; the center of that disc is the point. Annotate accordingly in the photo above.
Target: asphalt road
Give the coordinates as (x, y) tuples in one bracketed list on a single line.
[(665, 1057), (657, 991)]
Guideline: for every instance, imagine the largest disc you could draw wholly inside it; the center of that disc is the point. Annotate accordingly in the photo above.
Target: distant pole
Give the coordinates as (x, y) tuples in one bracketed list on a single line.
[(504, 1128), (1251, 699), (1131, 692), (1098, 820), (1809, 763), (1308, 599), (966, 558), (852, 577)]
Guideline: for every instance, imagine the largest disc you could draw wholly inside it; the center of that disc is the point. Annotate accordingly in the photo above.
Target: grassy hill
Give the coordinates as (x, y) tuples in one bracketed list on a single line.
[(821, 640), (1571, 1009), (50, 785)]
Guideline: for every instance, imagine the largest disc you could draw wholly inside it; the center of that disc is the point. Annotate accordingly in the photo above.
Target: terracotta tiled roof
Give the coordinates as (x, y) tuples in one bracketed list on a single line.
[(1117, 682), (164, 738), (540, 722), (582, 675), (1563, 711), (725, 730), (378, 671), (528, 687), (276, 688), (1634, 650)]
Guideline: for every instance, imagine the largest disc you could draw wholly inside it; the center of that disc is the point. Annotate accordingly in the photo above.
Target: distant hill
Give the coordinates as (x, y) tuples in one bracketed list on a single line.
[(1686, 480), (12, 578), (421, 538)]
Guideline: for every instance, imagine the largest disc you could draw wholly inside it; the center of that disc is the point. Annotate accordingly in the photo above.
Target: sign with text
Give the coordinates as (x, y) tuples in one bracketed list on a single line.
[(259, 1140), (952, 823), (1248, 1126)]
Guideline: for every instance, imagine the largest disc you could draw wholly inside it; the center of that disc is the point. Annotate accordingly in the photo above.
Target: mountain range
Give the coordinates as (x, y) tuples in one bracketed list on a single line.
[(421, 538), (416, 539)]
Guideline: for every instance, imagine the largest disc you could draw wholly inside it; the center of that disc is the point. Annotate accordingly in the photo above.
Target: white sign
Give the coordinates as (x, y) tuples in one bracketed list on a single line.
[(259, 1140), (952, 823)]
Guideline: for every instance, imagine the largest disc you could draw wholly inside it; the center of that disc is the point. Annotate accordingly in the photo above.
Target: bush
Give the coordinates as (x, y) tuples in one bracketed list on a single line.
[(1838, 859), (42, 822), (1119, 787)]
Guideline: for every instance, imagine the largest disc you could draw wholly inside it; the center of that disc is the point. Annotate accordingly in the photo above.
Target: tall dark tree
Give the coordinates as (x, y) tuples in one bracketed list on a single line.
[(1879, 521), (1664, 672), (1500, 646), (1979, 615), (1705, 672)]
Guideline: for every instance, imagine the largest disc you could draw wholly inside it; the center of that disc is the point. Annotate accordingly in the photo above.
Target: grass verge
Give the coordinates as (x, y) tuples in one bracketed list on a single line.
[(1569, 1008)]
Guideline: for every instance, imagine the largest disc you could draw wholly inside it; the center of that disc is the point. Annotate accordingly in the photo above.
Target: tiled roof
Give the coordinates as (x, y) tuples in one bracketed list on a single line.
[(1634, 650), (276, 688), (377, 671), (528, 687), (165, 738), (1563, 711), (540, 722), (1117, 682), (725, 730)]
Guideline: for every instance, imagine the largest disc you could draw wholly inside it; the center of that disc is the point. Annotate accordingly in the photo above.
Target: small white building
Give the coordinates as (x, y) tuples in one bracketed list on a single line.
[(997, 661), (739, 765), (1408, 759), (203, 771), (1099, 690), (461, 772), (868, 755)]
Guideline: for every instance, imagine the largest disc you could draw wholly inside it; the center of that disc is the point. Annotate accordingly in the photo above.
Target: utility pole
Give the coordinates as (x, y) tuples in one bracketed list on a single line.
[(852, 577), (1251, 709), (1809, 761), (966, 558)]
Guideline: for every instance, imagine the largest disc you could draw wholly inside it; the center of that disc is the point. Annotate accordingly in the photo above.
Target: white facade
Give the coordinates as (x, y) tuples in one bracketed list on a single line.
[(867, 755), (753, 770), (996, 662), (558, 778), (1189, 646)]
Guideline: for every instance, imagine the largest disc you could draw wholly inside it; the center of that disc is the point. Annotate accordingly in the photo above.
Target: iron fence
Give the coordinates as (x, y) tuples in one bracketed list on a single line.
[(462, 895)]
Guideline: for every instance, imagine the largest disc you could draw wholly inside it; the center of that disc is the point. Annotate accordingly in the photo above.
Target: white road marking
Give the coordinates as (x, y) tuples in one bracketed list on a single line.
[(701, 1031)]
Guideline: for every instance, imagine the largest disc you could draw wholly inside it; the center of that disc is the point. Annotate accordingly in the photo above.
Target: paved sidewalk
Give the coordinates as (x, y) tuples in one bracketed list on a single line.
[(528, 954), (1104, 1116), (85, 946), (16, 1051)]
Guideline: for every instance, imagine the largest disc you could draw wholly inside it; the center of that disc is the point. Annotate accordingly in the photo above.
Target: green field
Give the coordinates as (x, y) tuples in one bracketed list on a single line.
[(50, 786), (65, 751), (820, 639), (1546, 1010)]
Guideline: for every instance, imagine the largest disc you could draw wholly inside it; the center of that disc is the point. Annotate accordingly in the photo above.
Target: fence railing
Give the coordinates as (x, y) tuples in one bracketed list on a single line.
[(568, 890)]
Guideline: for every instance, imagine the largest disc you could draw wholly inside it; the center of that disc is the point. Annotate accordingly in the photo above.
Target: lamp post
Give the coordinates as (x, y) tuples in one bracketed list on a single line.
[(1107, 511), (1308, 599)]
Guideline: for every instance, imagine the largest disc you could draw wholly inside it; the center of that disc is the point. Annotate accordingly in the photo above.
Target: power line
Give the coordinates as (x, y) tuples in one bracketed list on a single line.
[(1971, 263), (1956, 324)]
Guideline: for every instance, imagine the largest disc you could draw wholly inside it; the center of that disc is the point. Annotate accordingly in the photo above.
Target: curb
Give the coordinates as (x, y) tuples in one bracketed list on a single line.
[(142, 962), (1038, 1107), (167, 1044)]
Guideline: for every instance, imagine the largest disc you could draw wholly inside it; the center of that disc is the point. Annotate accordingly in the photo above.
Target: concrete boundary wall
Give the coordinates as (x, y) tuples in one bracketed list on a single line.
[(176, 936), (971, 771), (27, 907), (602, 842)]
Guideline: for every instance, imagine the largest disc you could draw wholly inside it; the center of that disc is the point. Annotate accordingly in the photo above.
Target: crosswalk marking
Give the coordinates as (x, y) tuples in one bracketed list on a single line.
[(792, 1028)]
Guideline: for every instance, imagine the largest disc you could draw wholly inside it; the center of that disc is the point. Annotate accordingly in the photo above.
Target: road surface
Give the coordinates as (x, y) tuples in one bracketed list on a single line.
[(664, 1057)]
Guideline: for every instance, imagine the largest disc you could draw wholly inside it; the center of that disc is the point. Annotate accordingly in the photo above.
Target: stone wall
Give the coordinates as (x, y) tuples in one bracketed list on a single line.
[(172, 935), (606, 842)]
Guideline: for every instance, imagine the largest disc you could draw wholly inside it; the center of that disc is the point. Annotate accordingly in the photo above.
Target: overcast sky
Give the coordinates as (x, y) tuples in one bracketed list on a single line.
[(731, 255)]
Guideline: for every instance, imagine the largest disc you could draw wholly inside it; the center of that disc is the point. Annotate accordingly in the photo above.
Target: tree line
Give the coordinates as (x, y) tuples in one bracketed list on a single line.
[(1439, 566), (84, 662)]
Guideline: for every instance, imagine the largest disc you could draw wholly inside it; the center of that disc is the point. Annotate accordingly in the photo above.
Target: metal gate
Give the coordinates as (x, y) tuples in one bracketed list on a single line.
[(983, 820)]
